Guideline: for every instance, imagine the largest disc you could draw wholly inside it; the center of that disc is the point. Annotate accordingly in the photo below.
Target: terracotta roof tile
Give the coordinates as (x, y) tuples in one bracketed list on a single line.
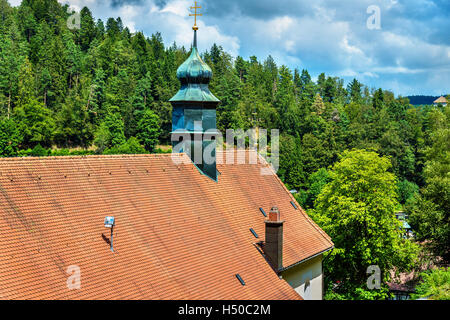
[(178, 234)]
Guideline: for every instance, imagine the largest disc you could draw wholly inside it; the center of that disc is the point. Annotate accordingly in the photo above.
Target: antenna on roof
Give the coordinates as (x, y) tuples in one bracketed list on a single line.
[(110, 222)]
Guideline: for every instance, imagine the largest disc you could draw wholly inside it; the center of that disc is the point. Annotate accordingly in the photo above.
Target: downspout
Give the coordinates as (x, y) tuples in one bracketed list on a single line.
[(323, 274)]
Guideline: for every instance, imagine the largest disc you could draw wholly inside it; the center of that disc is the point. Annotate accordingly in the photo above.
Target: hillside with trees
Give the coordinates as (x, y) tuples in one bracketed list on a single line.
[(101, 89)]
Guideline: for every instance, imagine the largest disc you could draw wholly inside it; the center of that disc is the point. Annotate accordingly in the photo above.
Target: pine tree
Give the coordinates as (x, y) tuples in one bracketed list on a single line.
[(87, 32), (354, 91)]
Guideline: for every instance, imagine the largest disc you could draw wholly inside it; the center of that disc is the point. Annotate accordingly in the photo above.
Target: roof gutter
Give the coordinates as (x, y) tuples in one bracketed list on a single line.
[(306, 259)]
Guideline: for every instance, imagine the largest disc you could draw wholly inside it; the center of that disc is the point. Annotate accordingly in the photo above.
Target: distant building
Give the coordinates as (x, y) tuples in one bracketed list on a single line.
[(440, 100), (406, 228), (401, 291)]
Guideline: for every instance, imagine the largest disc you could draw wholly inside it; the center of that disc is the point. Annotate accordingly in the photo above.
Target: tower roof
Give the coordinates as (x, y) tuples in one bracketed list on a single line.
[(194, 69), (194, 75)]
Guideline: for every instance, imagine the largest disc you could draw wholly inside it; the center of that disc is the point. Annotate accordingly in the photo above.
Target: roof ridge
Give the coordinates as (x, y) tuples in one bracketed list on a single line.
[(112, 156), (92, 156)]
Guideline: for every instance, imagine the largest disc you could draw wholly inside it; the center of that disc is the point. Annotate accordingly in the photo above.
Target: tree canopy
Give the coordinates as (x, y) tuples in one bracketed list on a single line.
[(357, 209)]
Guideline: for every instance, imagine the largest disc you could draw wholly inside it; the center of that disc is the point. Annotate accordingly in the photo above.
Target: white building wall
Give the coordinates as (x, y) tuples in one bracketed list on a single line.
[(306, 278)]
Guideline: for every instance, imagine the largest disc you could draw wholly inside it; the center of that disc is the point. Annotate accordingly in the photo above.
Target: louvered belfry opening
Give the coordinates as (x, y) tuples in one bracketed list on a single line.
[(194, 114)]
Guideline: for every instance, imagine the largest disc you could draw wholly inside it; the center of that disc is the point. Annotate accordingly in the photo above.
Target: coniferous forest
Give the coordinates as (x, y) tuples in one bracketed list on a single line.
[(344, 148)]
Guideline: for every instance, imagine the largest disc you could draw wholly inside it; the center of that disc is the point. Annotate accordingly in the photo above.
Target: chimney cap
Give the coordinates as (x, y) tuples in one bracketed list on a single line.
[(274, 216)]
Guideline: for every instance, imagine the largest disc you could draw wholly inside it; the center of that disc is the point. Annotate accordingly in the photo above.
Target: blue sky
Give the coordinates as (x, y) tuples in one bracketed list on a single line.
[(409, 54)]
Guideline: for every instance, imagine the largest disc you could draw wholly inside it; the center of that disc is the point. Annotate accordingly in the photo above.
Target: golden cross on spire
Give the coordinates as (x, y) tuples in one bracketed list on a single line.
[(195, 14)]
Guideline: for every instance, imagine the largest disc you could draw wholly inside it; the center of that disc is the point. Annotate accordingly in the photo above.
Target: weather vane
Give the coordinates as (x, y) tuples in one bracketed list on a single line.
[(195, 14)]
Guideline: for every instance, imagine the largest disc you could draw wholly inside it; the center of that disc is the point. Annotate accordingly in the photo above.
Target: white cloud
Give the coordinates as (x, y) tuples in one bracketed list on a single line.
[(277, 27), (174, 23), (128, 15), (178, 7), (15, 3)]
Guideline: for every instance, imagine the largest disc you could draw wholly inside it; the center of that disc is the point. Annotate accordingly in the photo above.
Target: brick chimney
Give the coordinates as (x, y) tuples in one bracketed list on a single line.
[(273, 246)]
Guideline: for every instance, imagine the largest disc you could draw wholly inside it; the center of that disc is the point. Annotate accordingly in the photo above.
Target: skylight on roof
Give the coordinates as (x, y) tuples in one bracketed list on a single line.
[(263, 212), (240, 279), (254, 233), (293, 204)]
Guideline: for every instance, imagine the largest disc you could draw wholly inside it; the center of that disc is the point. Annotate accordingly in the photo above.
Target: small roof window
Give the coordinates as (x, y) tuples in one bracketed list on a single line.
[(254, 233), (263, 212), (240, 279), (293, 204)]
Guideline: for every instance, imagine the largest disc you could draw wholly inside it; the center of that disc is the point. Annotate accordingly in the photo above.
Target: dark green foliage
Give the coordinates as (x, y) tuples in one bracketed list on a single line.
[(407, 190), (378, 99), (39, 151), (35, 123), (316, 182), (87, 31), (132, 146), (110, 133), (430, 222), (10, 138), (291, 157), (430, 212), (354, 91), (148, 130)]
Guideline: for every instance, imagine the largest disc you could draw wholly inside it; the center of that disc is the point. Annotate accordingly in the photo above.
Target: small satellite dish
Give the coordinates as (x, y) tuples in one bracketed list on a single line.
[(109, 222)]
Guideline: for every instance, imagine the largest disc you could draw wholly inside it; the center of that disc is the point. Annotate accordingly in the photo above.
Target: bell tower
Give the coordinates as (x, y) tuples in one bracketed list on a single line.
[(194, 111)]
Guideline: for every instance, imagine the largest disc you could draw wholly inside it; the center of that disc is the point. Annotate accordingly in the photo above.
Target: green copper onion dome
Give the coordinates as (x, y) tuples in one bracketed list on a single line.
[(194, 75), (194, 70)]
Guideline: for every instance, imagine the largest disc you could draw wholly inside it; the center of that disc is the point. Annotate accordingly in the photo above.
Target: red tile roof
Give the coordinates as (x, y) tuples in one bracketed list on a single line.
[(178, 234), (440, 100)]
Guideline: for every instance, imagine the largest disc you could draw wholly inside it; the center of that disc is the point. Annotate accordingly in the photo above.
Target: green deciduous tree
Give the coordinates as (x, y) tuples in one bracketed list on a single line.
[(111, 131), (148, 130), (357, 209), (35, 123), (131, 146)]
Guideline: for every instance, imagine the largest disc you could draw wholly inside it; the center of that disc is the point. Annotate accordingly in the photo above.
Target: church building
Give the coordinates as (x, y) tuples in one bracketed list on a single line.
[(180, 229)]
